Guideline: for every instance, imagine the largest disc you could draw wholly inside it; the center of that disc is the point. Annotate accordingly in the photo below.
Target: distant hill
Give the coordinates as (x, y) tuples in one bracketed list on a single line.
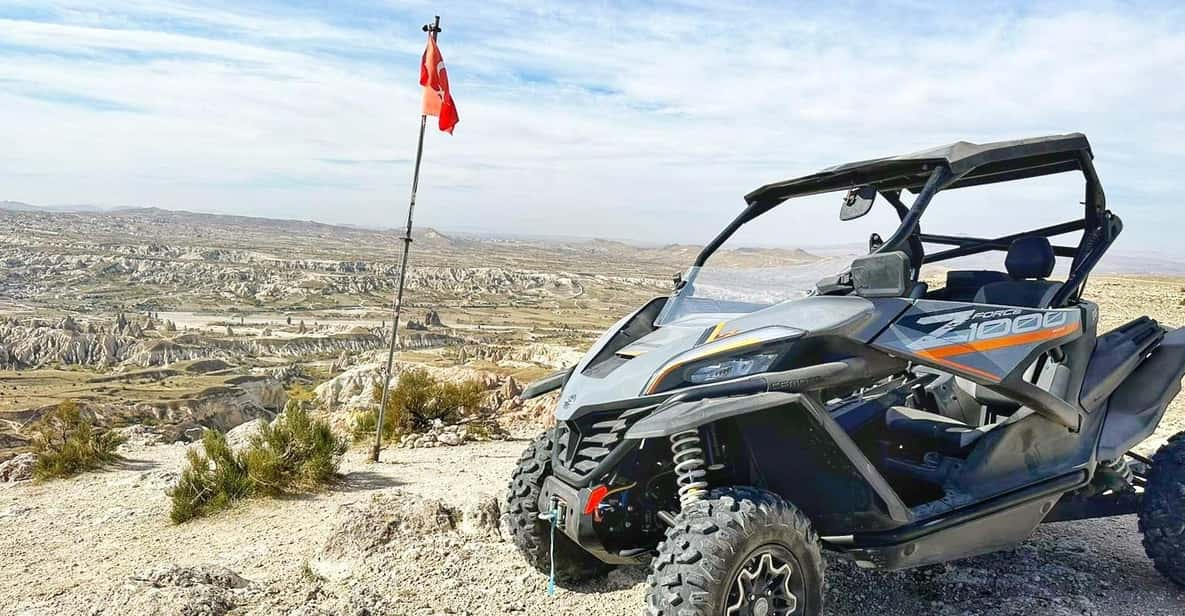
[(230, 223), (670, 255), (680, 255), (20, 206)]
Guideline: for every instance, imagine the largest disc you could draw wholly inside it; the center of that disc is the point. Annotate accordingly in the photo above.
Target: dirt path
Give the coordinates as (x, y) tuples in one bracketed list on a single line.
[(78, 547)]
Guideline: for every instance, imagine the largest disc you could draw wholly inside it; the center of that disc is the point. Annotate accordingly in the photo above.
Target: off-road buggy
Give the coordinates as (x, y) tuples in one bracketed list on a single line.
[(729, 442)]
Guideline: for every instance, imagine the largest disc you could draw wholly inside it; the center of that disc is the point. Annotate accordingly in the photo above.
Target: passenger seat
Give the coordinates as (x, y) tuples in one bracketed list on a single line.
[(962, 285), (1029, 262)]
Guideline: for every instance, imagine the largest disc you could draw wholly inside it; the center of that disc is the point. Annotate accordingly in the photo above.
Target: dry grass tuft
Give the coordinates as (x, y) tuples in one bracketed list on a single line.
[(418, 401), (67, 443)]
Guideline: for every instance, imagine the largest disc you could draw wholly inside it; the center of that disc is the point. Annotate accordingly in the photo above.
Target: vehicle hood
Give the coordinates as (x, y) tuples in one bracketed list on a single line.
[(627, 377)]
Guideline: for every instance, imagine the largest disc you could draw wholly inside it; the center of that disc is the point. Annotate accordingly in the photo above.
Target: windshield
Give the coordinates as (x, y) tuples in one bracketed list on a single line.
[(778, 256)]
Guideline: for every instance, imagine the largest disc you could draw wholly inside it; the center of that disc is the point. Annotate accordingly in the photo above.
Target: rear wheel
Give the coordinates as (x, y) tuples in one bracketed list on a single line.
[(531, 535), (1162, 517), (740, 552)]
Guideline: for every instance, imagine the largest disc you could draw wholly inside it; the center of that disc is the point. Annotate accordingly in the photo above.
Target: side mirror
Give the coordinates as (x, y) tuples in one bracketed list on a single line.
[(857, 202), (884, 274)]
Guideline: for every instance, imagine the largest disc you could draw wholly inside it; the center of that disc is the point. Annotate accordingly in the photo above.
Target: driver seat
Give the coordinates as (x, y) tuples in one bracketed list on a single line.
[(1029, 263)]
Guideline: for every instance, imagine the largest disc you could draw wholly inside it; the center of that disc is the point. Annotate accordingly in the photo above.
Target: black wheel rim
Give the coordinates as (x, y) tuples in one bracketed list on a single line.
[(769, 583)]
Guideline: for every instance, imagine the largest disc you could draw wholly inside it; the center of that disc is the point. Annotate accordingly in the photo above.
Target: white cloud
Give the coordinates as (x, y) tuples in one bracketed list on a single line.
[(645, 123)]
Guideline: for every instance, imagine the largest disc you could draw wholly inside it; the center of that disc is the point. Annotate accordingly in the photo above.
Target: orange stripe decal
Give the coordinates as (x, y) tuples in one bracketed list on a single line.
[(979, 346), (941, 354)]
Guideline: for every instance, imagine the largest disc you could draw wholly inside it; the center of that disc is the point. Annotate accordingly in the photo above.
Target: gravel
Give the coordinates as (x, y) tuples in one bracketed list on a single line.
[(416, 534)]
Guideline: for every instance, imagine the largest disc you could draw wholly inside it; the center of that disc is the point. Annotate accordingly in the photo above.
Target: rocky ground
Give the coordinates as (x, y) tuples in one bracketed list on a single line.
[(417, 534)]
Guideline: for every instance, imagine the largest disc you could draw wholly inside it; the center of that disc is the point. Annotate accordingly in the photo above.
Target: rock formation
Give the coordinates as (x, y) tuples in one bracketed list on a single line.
[(31, 345), (18, 468)]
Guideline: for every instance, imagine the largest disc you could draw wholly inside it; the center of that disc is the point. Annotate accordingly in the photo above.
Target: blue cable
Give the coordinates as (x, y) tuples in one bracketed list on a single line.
[(551, 552)]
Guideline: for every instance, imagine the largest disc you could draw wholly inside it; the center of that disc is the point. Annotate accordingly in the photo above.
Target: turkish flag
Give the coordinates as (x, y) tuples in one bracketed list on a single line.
[(437, 99)]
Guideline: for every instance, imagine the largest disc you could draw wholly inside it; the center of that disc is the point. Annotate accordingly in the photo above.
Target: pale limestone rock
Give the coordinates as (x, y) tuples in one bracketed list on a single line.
[(19, 468)]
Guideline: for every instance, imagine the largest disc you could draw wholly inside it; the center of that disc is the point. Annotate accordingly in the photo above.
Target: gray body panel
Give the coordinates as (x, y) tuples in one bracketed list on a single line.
[(814, 315), (984, 343)]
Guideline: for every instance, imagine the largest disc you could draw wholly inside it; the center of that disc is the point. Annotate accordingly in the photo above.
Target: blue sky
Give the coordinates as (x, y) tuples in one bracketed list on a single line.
[(634, 120)]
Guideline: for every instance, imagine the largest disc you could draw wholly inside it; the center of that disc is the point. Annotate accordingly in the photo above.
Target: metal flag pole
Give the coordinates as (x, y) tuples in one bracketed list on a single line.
[(397, 307)]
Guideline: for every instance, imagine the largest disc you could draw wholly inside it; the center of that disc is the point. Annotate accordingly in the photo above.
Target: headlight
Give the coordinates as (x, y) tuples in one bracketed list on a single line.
[(731, 357), (729, 368)]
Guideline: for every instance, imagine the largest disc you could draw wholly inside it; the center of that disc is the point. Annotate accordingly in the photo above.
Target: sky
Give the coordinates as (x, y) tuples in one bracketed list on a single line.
[(633, 120)]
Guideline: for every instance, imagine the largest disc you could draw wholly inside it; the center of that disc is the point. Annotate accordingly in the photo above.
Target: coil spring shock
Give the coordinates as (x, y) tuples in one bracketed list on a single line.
[(688, 455), (1122, 468)]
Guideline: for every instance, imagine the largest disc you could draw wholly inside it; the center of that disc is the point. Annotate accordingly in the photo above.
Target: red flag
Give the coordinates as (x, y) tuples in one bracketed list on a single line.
[(437, 99)]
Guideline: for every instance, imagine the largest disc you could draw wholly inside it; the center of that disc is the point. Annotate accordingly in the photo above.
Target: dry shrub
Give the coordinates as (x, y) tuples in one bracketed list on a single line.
[(294, 454), (419, 400), (67, 443), (215, 479)]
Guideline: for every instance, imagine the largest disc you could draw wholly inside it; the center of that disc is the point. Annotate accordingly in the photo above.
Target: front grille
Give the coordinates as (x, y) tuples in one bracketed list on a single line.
[(582, 444)]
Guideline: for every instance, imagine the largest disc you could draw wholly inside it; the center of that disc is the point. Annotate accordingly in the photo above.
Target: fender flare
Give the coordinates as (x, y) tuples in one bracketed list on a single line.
[(546, 384)]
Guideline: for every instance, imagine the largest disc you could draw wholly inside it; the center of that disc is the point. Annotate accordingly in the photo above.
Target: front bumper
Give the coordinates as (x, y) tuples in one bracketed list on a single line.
[(568, 502), (593, 442)]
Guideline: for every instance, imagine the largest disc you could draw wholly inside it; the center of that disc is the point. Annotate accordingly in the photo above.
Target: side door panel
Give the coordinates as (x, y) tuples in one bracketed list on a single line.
[(984, 343)]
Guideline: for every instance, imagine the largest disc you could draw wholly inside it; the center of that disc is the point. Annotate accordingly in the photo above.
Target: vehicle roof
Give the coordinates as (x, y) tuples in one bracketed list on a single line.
[(969, 163)]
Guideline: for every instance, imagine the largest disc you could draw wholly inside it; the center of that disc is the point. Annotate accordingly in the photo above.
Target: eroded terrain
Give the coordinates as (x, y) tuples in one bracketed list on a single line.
[(147, 315)]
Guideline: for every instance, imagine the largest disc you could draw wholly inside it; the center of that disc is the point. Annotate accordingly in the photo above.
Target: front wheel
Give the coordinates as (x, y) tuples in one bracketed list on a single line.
[(531, 535), (740, 552), (1162, 517)]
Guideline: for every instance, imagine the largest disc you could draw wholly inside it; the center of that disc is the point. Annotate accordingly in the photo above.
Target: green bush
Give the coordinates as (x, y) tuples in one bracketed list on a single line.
[(66, 443), (365, 422), (294, 454), (215, 478), (300, 394), (417, 401)]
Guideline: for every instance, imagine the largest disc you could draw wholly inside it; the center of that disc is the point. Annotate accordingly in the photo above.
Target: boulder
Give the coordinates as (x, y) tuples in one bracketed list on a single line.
[(452, 437), (268, 393), (174, 601), (19, 468), (240, 436), (510, 389), (481, 518), (368, 528), (531, 413), (209, 575), (138, 436), (202, 590)]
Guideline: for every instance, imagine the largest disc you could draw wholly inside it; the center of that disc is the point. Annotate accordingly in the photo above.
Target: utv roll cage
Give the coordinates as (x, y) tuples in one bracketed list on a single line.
[(959, 165)]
